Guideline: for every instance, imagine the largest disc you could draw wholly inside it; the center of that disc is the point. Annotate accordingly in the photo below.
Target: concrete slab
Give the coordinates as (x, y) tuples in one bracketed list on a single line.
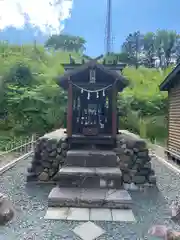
[(78, 214), (55, 213), (121, 215), (88, 231), (100, 214)]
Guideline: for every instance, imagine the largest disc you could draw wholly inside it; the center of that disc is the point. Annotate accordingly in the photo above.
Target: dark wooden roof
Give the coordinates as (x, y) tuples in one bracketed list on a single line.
[(113, 67), (170, 80), (122, 81)]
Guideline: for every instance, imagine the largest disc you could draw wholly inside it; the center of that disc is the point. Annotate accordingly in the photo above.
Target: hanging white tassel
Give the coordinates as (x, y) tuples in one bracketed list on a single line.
[(103, 93), (97, 94), (88, 97), (82, 90)]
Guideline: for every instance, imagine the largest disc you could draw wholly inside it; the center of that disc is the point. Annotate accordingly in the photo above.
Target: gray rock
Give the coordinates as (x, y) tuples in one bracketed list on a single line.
[(139, 161), (46, 164), (59, 149), (119, 150), (138, 179), (144, 172), (6, 210), (123, 166), (143, 154), (152, 179), (44, 176), (44, 155), (147, 165), (53, 153), (55, 164), (64, 153), (39, 169), (64, 145), (126, 158), (127, 178), (129, 152)]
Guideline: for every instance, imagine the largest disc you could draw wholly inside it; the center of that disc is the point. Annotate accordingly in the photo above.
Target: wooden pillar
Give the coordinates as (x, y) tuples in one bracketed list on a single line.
[(114, 111), (69, 110)]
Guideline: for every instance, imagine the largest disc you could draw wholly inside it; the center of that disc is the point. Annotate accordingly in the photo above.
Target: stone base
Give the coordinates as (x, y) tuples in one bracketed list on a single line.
[(91, 158), (90, 198)]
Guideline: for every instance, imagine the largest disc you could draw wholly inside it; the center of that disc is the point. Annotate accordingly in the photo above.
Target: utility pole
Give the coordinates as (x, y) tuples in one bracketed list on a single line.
[(108, 30)]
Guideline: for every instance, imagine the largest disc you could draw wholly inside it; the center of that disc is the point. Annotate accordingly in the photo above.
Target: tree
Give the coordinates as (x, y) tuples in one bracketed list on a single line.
[(66, 43), (145, 48), (132, 46)]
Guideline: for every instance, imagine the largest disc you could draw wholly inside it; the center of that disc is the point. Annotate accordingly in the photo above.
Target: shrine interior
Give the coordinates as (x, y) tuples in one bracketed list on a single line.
[(92, 109)]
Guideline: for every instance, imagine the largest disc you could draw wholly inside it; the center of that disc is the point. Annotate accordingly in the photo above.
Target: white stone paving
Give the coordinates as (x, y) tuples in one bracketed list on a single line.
[(88, 231), (92, 214), (78, 214), (122, 215), (99, 214), (57, 213)]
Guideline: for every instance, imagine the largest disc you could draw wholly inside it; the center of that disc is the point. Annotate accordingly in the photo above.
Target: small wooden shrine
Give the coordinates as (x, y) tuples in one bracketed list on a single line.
[(92, 100)]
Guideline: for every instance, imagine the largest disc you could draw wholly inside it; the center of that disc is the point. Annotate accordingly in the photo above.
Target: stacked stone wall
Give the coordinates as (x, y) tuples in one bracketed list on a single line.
[(134, 159), (49, 155)]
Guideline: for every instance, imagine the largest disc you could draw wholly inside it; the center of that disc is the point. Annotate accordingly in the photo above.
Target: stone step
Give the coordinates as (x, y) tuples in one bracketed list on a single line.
[(105, 172), (85, 177), (89, 182), (91, 158), (90, 198)]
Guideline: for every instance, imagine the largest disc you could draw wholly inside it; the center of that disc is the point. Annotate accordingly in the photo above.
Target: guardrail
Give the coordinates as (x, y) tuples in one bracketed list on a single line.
[(10, 157)]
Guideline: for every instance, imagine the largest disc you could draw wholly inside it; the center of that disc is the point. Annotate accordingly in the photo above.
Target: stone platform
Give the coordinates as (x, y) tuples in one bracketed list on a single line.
[(89, 198), (89, 179)]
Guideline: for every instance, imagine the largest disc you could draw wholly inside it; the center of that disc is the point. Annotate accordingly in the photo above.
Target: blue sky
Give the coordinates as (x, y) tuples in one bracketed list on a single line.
[(88, 20)]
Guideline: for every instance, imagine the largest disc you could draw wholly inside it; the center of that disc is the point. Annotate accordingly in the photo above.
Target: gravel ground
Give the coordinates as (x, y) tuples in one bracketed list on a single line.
[(30, 201), (8, 157)]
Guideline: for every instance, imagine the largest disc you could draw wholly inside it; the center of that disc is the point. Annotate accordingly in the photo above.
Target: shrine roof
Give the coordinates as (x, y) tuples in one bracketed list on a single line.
[(112, 71), (171, 79)]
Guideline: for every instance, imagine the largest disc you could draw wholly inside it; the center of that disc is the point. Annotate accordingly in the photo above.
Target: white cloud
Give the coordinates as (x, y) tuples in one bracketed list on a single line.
[(47, 15)]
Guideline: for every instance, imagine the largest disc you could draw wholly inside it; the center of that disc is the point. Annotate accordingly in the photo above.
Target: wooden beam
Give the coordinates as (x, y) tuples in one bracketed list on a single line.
[(69, 110)]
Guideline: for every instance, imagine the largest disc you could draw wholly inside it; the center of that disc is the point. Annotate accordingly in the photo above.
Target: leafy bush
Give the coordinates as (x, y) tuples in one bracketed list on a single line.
[(144, 106), (32, 102)]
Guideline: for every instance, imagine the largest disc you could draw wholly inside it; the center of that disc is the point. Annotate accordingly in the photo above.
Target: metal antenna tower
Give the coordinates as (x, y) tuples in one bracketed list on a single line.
[(108, 29)]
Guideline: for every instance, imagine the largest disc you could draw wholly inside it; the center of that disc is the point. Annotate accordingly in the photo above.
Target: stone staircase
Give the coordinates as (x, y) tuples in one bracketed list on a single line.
[(90, 178)]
